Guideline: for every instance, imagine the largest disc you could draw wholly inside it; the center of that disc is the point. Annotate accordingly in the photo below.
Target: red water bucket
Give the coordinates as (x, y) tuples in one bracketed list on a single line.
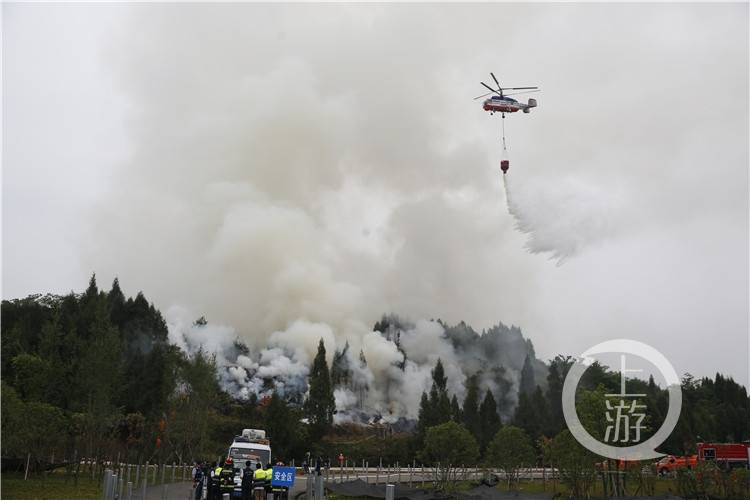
[(504, 165)]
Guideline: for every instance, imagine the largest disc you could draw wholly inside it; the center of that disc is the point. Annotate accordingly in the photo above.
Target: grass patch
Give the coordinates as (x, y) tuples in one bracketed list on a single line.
[(59, 486), (48, 487)]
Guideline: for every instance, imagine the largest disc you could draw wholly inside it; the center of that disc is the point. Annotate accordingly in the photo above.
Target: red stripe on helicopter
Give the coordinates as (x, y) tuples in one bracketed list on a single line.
[(505, 109)]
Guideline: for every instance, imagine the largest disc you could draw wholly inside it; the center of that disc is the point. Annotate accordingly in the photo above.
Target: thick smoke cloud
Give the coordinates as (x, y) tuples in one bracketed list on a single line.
[(381, 374), (294, 172)]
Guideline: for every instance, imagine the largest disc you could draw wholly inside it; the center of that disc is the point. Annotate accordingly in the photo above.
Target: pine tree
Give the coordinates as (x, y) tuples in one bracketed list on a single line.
[(541, 410), (280, 425), (528, 383), (456, 415), (490, 420), (439, 400), (558, 369), (116, 302), (531, 414), (340, 372), (320, 404), (523, 417), (425, 419), (471, 407), (438, 376), (444, 411), (89, 306), (92, 291)]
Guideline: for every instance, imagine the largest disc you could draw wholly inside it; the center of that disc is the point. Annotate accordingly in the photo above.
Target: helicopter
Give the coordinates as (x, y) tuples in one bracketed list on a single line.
[(501, 103)]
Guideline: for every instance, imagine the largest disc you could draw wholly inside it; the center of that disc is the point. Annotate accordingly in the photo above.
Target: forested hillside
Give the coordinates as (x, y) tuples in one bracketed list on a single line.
[(94, 374)]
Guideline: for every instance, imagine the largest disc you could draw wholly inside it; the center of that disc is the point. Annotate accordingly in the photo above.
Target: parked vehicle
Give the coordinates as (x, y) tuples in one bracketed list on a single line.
[(671, 463), (726, 455)]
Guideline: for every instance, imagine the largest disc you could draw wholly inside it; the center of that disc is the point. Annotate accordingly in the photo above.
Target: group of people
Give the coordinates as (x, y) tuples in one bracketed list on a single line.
[(219, 479)]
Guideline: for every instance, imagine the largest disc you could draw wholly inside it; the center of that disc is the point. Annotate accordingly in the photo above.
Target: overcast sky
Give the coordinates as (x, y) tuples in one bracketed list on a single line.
[(262, 164)]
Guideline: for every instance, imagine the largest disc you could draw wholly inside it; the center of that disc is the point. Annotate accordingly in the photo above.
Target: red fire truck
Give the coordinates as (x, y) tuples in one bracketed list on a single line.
[(726, 455)]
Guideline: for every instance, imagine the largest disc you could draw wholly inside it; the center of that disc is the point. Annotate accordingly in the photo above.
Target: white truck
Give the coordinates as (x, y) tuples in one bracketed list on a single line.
[(250, 445)]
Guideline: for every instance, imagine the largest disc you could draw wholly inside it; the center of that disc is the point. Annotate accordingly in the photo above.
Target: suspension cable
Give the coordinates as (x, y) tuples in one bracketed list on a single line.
[(504, 148)]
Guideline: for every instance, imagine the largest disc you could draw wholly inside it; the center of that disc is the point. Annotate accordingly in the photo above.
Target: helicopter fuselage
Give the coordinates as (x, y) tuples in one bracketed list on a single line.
[(497, 104)]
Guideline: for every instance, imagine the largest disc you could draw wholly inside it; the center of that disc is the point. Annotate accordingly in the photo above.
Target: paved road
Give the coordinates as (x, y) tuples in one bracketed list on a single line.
[(174, 491), (184, 491), (416, 476)]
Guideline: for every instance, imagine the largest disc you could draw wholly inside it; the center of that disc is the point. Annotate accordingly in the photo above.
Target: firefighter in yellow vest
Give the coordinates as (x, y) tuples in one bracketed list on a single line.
[(214, 489), (269, 477), (259, 482)]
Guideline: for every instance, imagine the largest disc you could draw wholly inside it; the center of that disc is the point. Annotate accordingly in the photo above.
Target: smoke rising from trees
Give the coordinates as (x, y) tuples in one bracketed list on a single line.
[(299, 189), (378, 375)]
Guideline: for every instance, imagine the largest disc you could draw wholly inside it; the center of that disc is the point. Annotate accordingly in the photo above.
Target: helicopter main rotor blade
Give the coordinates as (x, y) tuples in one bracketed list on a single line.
[(493, 77), (524, 92), (483, 95), (491, 89), (519, 88)]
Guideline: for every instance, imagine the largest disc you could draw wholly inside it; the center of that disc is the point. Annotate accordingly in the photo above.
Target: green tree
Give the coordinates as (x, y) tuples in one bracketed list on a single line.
[(471, 407), (281, 426), (528, 381), (558, 369), (116, 302), (511, 450), (456, 415), (12, 410), (191, 404), (340, 371), (426, 417), (98, 377), (44, 430), (575, 463), (31, 376), (448, 447), (92, 292), (531, 413), (592, 410), (320, 404), (489, 419), (441, 403), (439, 379), (11, 345)]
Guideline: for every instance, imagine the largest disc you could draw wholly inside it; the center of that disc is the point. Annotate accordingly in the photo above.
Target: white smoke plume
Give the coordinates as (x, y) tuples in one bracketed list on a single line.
[(290, 174), (298, 170), (385, 373), (289, 200)]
